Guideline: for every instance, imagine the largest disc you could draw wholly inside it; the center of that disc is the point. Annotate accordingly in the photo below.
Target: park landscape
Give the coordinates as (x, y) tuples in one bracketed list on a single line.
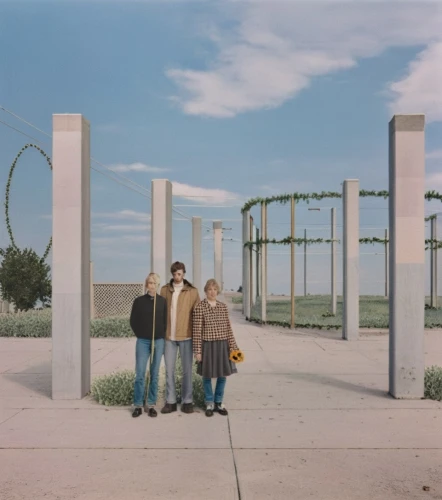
[(340, 393)]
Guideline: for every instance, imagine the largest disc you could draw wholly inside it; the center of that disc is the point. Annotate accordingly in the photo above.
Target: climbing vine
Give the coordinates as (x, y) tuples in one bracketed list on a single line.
[(7, 196), (311, 241), (285, 198)]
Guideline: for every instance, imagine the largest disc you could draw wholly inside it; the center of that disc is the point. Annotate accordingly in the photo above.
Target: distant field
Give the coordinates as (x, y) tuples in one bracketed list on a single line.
[(311, 311)]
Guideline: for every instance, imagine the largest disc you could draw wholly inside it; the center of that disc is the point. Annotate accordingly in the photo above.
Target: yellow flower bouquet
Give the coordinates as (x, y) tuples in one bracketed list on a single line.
[(236, 356)]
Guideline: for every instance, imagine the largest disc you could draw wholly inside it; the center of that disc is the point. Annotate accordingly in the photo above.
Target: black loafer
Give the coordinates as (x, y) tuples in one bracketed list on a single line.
[(137, 412), (168, 408), (187, 407), (220, 408), (151, 412)]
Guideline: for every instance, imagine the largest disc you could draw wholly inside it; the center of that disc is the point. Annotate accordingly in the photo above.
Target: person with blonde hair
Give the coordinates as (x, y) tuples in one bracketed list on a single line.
[(148, 321), (213, 341)]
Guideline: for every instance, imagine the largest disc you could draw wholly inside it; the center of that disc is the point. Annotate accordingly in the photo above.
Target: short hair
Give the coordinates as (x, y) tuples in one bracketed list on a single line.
[(156, 279), (212, 282), (177, 266)]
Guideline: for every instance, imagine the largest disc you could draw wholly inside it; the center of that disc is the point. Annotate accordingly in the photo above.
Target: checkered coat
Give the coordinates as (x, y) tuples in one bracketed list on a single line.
[(211, 323)]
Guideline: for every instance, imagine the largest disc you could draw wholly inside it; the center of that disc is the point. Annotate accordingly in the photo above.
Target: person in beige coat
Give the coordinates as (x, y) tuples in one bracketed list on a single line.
[(181, 297)]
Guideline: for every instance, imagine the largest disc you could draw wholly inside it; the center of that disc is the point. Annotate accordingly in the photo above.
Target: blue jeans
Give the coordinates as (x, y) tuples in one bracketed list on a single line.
[(142, 353), (219, 389), (186, 355)]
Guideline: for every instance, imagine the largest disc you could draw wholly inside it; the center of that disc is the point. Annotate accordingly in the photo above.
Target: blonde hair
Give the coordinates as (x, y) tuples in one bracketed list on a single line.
[(156, 279), (212, 282)]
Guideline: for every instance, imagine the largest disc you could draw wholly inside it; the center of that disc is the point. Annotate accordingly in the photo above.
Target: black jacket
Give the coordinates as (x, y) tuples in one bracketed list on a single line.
[(141, 317)]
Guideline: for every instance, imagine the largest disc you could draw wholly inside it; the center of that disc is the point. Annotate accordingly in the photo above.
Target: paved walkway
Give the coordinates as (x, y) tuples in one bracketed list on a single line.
[(309, 418)]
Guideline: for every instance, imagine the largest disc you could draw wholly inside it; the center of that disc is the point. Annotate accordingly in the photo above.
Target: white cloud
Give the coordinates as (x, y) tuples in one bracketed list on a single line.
[(123, 227), (434, 182), (276, 48), (137, 167), (201, 195), (434, 155), (420, 91), (123, 215)]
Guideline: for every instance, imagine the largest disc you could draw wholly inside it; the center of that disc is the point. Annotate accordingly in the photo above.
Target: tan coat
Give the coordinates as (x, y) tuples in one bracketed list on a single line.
[(187, 300)]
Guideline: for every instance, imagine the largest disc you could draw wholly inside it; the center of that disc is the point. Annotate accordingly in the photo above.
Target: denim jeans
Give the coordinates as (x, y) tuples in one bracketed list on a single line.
[(186, 355), (219, 389), (142, 353)]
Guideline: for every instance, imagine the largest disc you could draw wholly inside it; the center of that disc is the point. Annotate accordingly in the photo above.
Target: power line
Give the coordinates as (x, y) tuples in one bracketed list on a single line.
[(20, 132)]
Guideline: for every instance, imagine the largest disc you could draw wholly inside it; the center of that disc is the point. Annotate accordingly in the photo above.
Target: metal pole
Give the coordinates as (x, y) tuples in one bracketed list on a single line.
[(386, 252), (305, 262), (292, 265), (333, 262)]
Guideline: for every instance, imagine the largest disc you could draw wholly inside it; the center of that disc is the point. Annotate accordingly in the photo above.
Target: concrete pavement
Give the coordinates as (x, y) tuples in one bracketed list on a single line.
[(309, 417)]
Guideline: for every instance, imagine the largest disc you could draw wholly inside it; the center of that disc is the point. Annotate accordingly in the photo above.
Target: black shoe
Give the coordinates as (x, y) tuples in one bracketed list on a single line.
[(137, 412), (187, 407), (151, 412), (220, 408), (209, 410), (169, 408)]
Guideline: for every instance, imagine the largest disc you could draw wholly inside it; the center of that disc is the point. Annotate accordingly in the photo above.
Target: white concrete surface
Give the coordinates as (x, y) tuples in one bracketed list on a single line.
[(70, 257), (161, 231), (407, 255), (350, 253), (309, 417), (218, 252), (196, 254)]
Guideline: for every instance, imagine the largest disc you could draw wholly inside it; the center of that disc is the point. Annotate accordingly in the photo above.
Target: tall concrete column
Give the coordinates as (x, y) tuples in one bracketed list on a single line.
[(92, 290), (71, 362), (264, 263), (258, 265), (333, 261), (350, 199), (386, 251), (161, 232), (254, 274), (433, 263), (407, 255), (196, 253), (246, 264), (218, 252), (305, 263)]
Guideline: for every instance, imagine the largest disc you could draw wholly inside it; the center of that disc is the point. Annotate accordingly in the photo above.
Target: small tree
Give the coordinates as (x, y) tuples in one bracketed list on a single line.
[(24, 278)]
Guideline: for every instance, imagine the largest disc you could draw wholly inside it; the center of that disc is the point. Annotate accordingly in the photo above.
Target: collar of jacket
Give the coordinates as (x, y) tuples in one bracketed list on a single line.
[(186, 286)]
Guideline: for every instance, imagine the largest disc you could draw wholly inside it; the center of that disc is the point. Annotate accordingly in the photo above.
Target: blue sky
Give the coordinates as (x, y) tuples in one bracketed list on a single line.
[(227, 99)]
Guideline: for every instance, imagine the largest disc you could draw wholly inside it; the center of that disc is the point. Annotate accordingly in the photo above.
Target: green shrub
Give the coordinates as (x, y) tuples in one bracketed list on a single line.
[(111, 327), (26, 324), (433, 383), (115, 389), (237, 300), (39, 324)]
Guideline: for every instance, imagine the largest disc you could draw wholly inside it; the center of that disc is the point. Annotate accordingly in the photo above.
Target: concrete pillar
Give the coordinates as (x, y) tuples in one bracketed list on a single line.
[(218, 252), (196, 254), (264, 263), (254, 274), (161, 232), (71, 362), (350, 199), (246, 265), (407, 255), (92, 290), (433, 263), (305, 263), (258, 266), (333, 262), (386, 252)]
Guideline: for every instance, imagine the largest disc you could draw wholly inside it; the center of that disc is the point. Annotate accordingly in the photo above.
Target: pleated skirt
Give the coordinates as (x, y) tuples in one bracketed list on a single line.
[(215, 360)]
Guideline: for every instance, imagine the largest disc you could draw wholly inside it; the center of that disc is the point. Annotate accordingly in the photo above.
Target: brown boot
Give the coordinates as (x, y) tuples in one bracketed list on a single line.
[(169, 408)]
